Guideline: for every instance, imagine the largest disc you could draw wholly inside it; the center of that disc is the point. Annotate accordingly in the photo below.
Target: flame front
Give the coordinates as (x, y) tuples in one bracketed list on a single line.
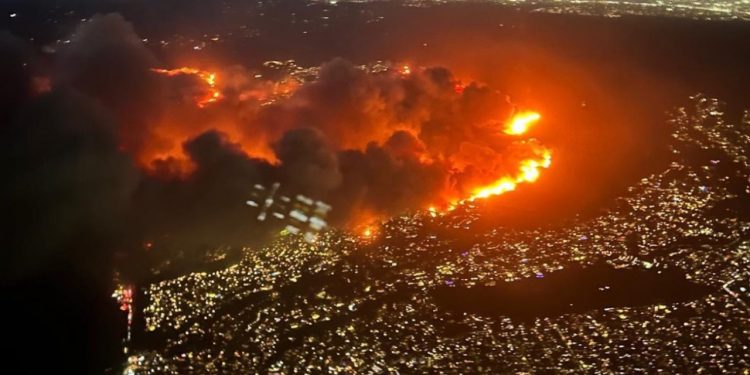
[(212, 95), (521, 122), (528, 171)]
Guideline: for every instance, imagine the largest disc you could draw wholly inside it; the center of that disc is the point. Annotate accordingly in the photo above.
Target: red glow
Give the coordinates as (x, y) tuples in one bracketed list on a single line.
[(472, 155), (212, 95), (528, 170)]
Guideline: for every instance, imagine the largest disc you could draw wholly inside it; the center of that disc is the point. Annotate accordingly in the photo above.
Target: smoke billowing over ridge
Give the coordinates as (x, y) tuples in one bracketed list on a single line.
[(372, 142)]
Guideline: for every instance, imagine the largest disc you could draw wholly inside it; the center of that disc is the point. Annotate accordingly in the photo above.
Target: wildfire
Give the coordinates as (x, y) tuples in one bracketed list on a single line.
[(481, 170), (212, 95), (369, 232), (433, 211), (528, 171), (521, 122)]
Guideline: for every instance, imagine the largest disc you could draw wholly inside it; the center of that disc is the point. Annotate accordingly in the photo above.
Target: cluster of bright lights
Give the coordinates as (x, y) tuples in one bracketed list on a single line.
[(124, 296)]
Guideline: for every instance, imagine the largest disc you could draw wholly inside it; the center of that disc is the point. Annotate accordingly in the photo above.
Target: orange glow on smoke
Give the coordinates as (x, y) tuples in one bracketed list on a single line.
[(212, 95), (521, 122), (41, 85), (179, 125), (481, 170)]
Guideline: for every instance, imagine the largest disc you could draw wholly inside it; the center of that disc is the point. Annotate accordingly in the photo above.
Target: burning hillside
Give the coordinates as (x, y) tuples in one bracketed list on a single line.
[(366, 128), (180, 147)]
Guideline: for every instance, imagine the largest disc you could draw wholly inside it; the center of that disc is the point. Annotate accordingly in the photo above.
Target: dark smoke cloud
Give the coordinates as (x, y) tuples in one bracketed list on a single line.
[(66, 195), (402, 141), (308, 163), (63, 177), (14, 74), (388, 179), (67, 191), (352, 107), (206, 208), (372, 144), (66, 172), (106, 60)]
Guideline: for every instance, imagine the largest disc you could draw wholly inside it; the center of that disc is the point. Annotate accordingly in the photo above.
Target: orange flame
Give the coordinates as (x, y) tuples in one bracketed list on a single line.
[(213, 95), (521, 122), (433, 211), (369, 232), (528, 171)]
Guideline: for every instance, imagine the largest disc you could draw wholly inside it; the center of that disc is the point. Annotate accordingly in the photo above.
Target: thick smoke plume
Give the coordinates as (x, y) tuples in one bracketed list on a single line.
[(66, 206), (122, 148), (372, 144), (107, 61)]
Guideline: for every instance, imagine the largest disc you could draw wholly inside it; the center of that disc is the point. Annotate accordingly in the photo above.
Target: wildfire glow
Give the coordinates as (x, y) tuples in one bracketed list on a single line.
[(483, 174), (521, 122), (528, 171), (433, 211), (369, 232), (212, 95)]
